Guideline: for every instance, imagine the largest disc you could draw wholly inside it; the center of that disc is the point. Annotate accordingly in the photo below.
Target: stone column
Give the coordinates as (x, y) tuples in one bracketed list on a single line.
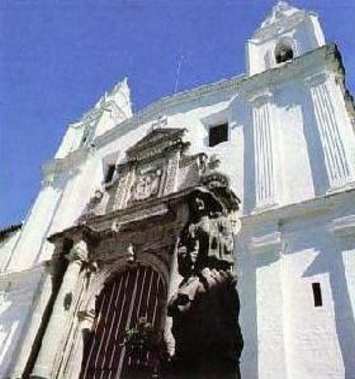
[(60, 314), (334, 149), (270, 305), (83, 324), (266, 190)]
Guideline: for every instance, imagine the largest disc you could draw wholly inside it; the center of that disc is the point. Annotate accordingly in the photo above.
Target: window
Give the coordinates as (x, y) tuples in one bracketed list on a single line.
[(317, 295), (218, 134), (110, 170), (283, 53)]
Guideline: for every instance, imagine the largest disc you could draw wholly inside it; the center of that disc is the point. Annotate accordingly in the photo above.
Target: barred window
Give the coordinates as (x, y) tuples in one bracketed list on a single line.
[(218, 134), (317, 295)]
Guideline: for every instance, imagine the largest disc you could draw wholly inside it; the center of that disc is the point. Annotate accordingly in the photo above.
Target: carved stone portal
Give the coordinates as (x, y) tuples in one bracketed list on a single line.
[(205, 308), (164, 204)]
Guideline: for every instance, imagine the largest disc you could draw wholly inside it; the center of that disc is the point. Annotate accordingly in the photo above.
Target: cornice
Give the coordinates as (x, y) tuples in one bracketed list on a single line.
[(316, 79), (308, 64), (343, 226), (266, 243), (302, 66), (17, 278), (260, 97), (58, 165), (321, 205), (162, 105)]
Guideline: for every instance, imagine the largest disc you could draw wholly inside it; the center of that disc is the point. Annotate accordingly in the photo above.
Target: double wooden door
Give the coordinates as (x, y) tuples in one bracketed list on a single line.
[(126, 298)]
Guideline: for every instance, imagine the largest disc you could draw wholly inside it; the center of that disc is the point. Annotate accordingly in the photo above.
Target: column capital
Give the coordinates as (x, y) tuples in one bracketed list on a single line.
[(86, 315), (316, 79), (79, 252), (271, 242), (343, 227), (261, 97)]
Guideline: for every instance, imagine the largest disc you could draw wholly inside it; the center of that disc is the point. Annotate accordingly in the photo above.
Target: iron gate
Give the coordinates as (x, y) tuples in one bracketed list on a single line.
[(127, 297)]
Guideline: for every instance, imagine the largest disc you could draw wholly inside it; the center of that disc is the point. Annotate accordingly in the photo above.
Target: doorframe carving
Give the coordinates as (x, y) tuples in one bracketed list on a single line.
[(103, 235)]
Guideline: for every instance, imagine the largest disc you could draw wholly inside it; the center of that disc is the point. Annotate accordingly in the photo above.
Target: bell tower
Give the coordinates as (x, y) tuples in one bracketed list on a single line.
[(286, 33)]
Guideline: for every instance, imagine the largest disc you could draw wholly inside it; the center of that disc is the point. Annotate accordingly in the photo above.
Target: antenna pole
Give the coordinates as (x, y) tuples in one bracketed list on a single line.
[(178, 68)]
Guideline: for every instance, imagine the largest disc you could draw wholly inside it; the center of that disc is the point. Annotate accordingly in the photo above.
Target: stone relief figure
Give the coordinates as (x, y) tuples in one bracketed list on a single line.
[(146, 185), (205, 308)]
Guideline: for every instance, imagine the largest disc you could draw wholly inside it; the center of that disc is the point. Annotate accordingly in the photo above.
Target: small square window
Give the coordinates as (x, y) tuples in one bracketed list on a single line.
[(218, 134), (110, 170), (317, 295)]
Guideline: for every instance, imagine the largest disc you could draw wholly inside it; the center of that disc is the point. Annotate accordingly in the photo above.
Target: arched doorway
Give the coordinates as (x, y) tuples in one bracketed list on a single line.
[(139, 292)]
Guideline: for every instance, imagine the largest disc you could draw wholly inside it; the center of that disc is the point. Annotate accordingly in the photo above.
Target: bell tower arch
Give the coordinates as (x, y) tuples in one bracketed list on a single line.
[(286, 33)]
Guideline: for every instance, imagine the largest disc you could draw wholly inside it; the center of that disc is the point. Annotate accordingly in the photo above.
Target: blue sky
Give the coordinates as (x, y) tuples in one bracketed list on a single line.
[(58, 57)]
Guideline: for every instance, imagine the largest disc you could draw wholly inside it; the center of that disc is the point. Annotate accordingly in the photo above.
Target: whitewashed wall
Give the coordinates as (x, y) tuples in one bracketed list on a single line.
[(297, 232)]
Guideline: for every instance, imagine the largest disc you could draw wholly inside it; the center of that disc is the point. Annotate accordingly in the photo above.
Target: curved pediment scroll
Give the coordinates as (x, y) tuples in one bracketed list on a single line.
[(155, 167)]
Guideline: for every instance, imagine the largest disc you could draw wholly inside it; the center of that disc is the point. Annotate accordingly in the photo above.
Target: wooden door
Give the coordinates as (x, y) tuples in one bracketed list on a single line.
[(125, 298)]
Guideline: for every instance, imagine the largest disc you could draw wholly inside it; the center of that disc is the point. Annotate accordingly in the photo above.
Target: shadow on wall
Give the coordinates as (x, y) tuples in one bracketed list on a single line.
[(15, 307), (330, 261), (59, 185), (302, 98), (314, 145), (242, 115), (245, 268)]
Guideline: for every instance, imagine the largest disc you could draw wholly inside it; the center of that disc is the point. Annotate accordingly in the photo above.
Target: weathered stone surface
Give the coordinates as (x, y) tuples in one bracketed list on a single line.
[(205, 308)]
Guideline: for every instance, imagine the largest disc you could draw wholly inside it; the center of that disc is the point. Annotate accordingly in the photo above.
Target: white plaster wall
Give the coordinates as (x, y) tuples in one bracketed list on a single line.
[(343, 118), (282, 305), (295, 339), (7, 247), (285, 336), (296, 171), (71, 140), (270, 316), (35, 230), (313, 344), (16, 298)]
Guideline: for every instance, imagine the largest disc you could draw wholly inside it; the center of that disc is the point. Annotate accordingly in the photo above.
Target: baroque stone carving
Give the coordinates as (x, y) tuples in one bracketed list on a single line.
[(155, 166), (205, 308), (147, 184), (161, 193)]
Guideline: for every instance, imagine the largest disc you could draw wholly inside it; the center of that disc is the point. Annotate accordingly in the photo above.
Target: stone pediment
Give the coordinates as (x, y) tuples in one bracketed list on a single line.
[(157, 168), (156, 142)]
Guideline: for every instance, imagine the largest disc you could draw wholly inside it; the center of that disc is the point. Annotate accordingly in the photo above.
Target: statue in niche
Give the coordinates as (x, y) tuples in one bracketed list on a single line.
[(208, 340)]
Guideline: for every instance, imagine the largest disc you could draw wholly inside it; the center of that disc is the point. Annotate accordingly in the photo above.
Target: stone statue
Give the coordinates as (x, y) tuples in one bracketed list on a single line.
[(208, 340)]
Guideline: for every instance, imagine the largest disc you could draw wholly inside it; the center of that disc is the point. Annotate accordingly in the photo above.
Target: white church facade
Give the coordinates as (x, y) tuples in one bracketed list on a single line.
[(117, 193)]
